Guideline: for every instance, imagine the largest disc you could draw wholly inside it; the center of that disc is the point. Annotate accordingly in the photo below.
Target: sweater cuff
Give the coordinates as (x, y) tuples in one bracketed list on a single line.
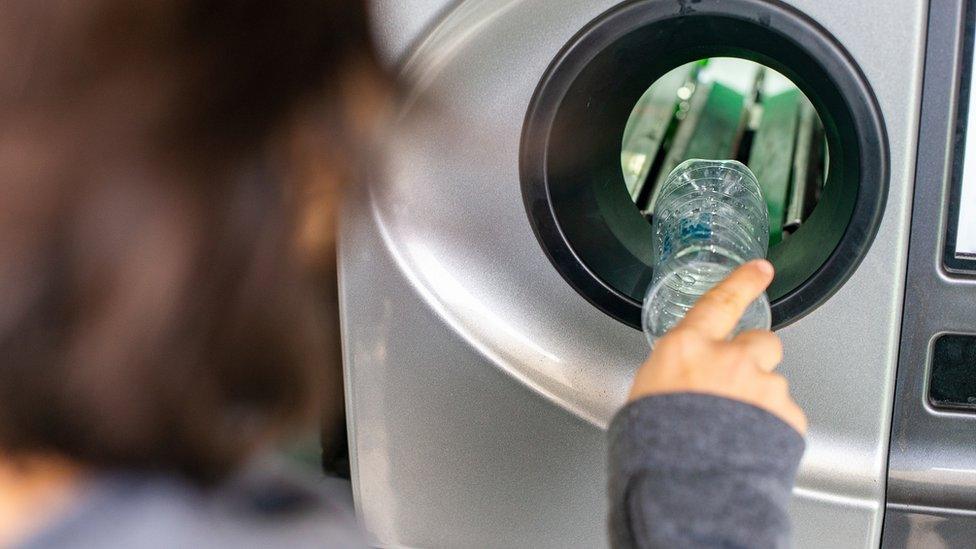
[(700, 432)]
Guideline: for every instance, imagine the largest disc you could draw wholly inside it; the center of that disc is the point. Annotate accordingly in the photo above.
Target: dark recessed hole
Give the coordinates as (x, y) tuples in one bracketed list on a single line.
[(574, 189)]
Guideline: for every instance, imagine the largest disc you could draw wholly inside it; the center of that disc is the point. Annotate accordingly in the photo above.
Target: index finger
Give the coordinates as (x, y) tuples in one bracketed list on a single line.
[(718, 311)]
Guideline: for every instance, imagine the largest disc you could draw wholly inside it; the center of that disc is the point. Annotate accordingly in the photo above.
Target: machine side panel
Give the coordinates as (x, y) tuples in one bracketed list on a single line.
[(932, 468)]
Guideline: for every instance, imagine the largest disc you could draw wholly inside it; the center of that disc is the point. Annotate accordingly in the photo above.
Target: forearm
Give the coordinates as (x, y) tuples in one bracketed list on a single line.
[(691, 470)]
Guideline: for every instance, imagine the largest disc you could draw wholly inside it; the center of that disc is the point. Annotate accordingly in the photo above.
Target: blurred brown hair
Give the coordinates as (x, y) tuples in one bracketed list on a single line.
[(158, 162)]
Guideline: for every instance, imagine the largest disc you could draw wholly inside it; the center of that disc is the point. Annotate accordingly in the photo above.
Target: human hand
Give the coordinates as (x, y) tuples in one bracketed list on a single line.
[(697, 357)]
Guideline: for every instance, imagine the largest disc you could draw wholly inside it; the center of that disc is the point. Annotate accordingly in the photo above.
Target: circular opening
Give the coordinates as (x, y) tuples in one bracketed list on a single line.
[(729, 108), (573, 184)]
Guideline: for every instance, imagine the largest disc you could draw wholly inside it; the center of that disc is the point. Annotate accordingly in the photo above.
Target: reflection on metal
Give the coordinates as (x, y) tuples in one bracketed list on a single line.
[(808, 172), (655, 113), (675, 150), (729, 108)]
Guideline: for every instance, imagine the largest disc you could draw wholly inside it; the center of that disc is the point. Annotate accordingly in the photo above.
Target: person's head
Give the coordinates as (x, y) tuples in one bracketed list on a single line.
[(169, 175)]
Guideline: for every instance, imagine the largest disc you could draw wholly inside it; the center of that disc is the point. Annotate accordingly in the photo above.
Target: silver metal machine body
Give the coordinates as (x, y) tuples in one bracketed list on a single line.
[(479, 383)]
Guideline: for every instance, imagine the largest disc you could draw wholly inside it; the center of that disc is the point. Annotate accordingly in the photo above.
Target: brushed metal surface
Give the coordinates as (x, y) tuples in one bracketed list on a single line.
[(479, 383), (399, 23)]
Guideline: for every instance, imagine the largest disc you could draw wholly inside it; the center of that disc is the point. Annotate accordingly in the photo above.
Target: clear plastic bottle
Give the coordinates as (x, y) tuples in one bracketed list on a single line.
[(709, 218)]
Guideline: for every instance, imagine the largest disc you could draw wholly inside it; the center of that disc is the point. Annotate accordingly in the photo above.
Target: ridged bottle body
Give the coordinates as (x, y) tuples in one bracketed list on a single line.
[(709, 218)]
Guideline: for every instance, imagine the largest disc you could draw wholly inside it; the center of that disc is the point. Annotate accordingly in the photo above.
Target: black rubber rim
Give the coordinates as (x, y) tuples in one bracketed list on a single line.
[(569, 159)]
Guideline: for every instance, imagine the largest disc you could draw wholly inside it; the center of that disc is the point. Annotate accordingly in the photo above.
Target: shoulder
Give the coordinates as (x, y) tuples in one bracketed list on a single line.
[(267, 505)]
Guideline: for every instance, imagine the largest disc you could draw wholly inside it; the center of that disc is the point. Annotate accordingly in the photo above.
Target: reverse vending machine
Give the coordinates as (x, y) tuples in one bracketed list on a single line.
[(491, 273)]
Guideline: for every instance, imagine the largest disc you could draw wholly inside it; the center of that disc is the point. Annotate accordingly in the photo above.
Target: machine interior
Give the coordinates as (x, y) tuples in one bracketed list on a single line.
[(729, 108)]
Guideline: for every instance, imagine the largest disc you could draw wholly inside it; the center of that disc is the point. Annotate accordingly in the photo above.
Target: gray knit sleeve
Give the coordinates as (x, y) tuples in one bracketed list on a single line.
[(695, 470)]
